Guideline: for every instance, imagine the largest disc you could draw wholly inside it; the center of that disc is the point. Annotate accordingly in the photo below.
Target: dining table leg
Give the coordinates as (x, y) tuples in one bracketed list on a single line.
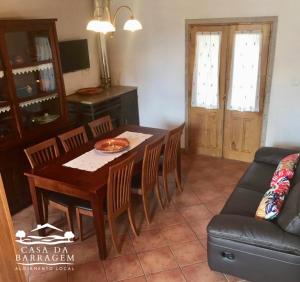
[(97, 203), (37, 202)]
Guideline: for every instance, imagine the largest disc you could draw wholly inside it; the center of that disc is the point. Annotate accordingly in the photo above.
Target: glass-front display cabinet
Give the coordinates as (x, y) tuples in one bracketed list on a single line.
[(31, 85), (32, 98)]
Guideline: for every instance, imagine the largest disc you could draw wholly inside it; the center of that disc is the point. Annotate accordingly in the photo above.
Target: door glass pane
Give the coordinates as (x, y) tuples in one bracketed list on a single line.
[(28, 48), (35, 81), (7, 125), (205, 88), (30, 56), (2, 92), (245, 84), (31, 60), (40, 110)]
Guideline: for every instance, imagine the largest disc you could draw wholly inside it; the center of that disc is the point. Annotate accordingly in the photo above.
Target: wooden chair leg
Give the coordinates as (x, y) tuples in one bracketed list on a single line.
[(165, 181), (79, 223), (46, 208), (178, 183), (113, 231), (158, 195), (146, 207), (69, 219), (131, 220)]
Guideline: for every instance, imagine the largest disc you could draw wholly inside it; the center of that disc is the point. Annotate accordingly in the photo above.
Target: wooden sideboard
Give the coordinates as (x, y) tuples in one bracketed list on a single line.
[(120, 102)]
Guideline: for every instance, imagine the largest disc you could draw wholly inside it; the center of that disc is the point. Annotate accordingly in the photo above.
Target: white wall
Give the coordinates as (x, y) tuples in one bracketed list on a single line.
[(154, 59), (72, 16)]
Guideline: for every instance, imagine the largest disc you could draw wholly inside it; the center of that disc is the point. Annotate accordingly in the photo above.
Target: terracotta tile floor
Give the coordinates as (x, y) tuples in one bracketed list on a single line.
[(172, 248)]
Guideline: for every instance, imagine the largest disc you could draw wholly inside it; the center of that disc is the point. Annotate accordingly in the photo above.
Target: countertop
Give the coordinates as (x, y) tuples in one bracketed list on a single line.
[(105, 95)]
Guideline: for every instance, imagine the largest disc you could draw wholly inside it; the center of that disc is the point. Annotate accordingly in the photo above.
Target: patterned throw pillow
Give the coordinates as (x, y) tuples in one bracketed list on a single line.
[(271, 203)]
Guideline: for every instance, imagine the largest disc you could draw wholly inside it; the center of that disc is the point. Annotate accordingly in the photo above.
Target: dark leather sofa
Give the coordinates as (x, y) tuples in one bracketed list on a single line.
[(256, 250)]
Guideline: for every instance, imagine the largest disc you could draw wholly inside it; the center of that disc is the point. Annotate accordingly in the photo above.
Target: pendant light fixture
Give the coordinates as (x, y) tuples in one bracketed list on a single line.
[(102, 22)]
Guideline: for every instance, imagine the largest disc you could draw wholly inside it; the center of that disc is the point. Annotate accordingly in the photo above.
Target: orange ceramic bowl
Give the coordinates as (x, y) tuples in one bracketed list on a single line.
[(112, 145)]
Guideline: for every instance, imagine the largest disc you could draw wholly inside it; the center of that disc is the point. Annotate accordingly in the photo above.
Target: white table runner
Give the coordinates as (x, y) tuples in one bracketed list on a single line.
[(93, 160)]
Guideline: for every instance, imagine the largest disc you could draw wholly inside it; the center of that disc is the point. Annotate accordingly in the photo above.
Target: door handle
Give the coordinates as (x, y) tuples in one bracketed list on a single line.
[(228, 256)]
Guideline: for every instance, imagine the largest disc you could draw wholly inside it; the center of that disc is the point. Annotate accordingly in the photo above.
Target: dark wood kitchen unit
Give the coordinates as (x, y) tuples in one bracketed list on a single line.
[(120, 102), (32, 98)]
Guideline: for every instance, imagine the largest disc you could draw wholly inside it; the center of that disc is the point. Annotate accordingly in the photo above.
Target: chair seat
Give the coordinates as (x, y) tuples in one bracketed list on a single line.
[(86, 205), (64, 200)]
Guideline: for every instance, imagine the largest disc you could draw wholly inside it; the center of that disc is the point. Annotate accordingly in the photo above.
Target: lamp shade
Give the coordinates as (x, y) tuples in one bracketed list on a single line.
[(100, 26), (133, 25)]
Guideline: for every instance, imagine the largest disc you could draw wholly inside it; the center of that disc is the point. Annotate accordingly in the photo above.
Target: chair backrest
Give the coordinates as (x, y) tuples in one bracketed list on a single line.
[(171, 149), (119, 186), (41, 153), (73, 138), (151, 164), (101, 126)]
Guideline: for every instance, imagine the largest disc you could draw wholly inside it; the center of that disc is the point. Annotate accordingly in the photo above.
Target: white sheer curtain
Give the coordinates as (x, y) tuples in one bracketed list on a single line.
[(245, 83), (43, 51), (205, 88)]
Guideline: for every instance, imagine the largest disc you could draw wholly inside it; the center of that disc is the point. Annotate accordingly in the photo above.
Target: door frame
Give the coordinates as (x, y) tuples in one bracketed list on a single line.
[(273, 21), (9, 249)]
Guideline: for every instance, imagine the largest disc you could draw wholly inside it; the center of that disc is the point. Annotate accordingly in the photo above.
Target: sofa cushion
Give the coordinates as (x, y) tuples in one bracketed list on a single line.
[(258, 177), (270, 205), (242, 201), (272, 155), (289, 218), (251, 231)]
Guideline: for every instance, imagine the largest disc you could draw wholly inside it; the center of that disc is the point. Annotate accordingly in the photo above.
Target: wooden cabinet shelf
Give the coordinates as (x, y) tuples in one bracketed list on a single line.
[(4, 104), (29, 65), (31, 81), (41, 97), (5, 108)]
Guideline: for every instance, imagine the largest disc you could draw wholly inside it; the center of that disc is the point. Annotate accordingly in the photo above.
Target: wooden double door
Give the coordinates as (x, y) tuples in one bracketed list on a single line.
[(227, 81)]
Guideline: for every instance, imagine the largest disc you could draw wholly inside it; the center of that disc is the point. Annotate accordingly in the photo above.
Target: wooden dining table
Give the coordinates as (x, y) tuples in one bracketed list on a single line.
[(91, 186)]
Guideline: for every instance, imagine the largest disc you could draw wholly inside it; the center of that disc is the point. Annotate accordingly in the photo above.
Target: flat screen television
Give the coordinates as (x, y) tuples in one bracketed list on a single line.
[(74, 55)]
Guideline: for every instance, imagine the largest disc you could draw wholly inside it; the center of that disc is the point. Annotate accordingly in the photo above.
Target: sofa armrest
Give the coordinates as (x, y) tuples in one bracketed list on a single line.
[(251, 231), (272, 155)]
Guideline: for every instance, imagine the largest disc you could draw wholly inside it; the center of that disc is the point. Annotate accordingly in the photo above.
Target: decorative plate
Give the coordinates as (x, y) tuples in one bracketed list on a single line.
[(46, 118), (112, 145)]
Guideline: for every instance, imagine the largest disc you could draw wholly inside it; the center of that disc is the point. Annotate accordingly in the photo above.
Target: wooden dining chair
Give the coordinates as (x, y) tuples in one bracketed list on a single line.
[(170, 165), (118, 198), (149, 178), (73, 138), (101, 126), (42, 153), (38, 155)]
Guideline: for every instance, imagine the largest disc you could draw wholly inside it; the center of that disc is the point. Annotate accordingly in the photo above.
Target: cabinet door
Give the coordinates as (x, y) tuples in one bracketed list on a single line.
[(33, 67), (130, 110)]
